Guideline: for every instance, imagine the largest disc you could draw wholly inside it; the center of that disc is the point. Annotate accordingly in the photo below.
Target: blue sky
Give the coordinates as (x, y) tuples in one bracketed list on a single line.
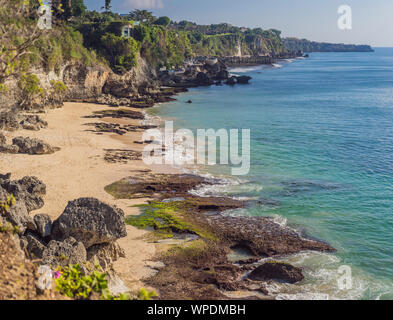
[(311, 19)]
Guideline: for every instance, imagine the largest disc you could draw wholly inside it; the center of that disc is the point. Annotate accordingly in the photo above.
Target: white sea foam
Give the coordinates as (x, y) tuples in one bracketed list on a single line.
[(276, 65)]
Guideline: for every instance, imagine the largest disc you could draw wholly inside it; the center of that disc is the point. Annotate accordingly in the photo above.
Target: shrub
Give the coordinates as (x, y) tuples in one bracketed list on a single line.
[(163, 21), (121, 53), (143, 294), (30, 89), (74, 285), (58, 86)]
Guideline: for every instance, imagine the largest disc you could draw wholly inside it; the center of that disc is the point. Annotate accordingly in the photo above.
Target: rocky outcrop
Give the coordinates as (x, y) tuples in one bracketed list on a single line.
[(86, 231), (279, 271), (91, 222), (33, 146), (63, 253)]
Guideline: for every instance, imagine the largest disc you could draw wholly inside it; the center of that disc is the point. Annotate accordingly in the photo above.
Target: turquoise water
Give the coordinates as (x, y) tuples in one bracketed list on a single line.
[(322, 149)]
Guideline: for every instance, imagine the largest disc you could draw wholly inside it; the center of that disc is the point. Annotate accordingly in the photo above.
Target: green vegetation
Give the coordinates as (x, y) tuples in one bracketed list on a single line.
[(74, 285), (7, 204), (58, 86), (304, 45), (30, 89), (167, 218), (143, 294), (163, 218)]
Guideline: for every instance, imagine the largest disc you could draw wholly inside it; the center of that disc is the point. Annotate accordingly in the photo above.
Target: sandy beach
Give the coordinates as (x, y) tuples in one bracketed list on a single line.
[(79, 170)]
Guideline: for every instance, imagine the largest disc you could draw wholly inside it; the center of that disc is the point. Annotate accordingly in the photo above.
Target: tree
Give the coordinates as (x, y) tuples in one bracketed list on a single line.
[(142, 16), (163, 21), (107, 7), (18, 33), (78, 8)]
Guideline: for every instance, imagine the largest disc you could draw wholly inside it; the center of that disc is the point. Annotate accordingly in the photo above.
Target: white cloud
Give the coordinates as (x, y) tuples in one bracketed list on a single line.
[(143, 4)]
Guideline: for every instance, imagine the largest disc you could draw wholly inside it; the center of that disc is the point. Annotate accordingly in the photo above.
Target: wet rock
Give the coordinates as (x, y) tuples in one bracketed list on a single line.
[(243, 79), (69, 251), (33, 146), (262, 236), (44, 225), (277, 271), (90, 221), (203, 79), (155, 184), (222, 75), (231, 81), (189, 101)]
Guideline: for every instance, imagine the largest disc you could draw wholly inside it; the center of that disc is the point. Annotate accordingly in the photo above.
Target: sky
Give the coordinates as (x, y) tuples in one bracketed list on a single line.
[(372, 20)]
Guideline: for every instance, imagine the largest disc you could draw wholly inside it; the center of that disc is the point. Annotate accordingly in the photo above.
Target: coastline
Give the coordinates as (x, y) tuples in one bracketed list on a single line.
[(79, 169)]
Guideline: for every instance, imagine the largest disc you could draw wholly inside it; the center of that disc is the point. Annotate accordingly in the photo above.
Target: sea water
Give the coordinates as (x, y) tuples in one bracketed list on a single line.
[(321, 161)]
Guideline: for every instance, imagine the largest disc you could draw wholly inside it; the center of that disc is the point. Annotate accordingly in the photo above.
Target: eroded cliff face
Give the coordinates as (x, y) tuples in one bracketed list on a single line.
[(83, 83)]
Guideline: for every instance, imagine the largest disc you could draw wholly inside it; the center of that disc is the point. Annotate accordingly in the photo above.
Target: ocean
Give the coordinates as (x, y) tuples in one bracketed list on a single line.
[(321, 162)]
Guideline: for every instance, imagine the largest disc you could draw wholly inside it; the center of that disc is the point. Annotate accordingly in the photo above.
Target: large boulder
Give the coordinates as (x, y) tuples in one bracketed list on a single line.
[(90, 221), (277, 271), (69, 251), (33, 146)]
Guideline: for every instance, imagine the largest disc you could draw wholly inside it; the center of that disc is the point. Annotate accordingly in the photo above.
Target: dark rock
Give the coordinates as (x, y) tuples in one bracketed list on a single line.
[(35, 246), (277, 271), (33, 146), (3, 140), (189, 101), (70, 251), (203, 79), (9, 149), (231, 81), (90, 221), (262, 236), (44, 225), (243, 79), (222, 75)]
